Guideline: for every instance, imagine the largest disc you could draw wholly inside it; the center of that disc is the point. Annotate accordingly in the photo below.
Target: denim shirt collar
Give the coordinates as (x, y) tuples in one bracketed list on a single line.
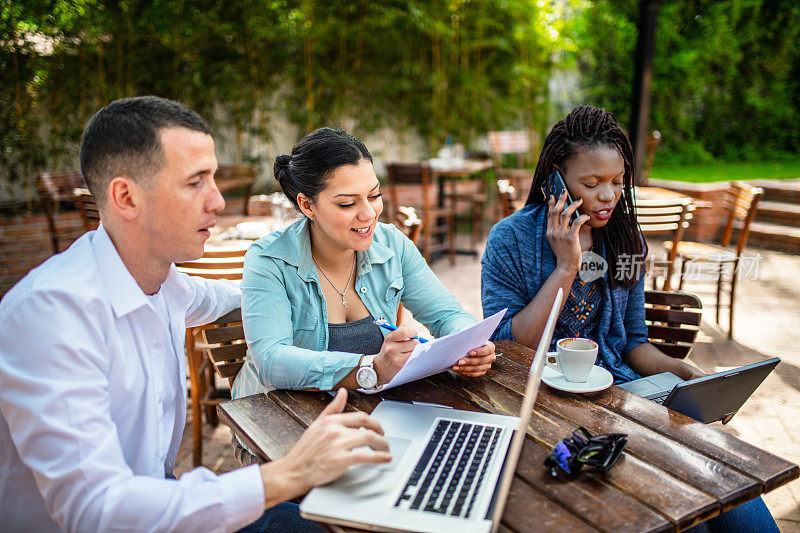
[(293, 246)]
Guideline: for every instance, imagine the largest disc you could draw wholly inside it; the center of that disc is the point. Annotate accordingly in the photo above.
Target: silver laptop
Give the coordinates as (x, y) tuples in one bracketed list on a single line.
[(708, 399), (451, 470)]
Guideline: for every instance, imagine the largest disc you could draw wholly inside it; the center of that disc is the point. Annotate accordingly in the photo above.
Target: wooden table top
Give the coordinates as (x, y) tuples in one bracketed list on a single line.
[(645, 194), (224, 234), (674, 473), (464, 167)]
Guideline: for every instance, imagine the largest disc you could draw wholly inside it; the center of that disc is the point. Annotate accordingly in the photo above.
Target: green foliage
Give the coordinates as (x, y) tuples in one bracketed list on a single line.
[(783, 166), (434, 67), (726, 80), (726, 75)]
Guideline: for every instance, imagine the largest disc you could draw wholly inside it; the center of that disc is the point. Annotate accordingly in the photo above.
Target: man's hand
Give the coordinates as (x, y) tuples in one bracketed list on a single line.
[(326, 449), (477, 362)]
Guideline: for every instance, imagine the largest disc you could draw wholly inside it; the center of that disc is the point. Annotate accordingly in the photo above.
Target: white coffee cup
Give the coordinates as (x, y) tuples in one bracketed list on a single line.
[(574, 357)]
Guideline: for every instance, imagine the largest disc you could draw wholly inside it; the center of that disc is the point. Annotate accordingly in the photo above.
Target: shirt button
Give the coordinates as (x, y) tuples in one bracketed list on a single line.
[(363, 289), (364, 265)]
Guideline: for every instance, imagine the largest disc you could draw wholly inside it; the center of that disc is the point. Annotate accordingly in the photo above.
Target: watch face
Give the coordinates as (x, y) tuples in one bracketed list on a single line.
[(366, 378)]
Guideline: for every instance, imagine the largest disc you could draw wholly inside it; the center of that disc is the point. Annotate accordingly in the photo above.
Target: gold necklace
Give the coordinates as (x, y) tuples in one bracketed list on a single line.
[(344, 302)]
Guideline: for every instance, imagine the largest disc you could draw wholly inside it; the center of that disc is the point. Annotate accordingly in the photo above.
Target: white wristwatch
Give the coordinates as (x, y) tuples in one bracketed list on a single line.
[(366, 377)]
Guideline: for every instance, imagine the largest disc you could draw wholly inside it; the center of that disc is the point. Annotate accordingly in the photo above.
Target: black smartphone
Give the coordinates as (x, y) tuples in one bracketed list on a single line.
[(554, 187)]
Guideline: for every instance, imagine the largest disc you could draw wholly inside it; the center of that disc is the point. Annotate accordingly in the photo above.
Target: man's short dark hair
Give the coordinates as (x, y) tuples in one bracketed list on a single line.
[(123, 139)]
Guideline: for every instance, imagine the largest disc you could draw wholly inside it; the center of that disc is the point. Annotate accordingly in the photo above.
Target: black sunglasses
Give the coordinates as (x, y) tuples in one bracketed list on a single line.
[(598, 452)]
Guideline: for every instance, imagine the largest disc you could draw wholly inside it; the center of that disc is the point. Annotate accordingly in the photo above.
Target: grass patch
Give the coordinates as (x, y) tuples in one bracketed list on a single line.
[(723, 171)]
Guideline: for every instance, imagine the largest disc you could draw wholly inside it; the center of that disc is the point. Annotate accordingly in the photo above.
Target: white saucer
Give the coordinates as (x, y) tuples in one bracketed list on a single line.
[(599, 379)]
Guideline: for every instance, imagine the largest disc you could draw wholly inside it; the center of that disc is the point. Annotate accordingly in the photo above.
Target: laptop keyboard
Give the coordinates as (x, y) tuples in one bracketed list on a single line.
[(660, 399), (451, 469)]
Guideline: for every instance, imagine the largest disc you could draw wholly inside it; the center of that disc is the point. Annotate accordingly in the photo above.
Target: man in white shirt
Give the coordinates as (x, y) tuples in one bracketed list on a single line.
[(92, 386)]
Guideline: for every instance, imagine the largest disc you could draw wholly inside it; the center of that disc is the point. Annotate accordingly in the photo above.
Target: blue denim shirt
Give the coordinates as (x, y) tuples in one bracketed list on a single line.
[(286, 320), (518, 260)]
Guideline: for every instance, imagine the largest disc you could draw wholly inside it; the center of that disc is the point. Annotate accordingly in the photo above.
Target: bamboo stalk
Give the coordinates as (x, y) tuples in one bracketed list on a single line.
[(17, 83), (101, 81)]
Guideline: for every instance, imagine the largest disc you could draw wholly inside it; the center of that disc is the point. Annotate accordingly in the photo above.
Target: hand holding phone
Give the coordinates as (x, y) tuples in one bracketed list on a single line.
[(555, 186)]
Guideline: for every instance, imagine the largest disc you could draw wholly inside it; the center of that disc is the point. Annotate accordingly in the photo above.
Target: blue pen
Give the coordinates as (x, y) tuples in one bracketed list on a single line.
[(382, 322)]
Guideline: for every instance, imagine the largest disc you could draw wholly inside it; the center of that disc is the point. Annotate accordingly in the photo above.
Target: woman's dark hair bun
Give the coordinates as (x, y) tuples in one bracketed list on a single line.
[(281, 168)]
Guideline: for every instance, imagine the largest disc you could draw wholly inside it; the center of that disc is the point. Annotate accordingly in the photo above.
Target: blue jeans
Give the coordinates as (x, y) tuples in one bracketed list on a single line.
[(283, 518), (748, 517)]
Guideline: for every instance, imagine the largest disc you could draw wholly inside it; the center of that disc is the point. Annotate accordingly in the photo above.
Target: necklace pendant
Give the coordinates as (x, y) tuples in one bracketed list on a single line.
[(344, 302)]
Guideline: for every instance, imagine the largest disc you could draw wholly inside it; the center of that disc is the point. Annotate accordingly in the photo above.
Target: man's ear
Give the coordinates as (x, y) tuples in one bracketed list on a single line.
[(307, 206), (124, 196)]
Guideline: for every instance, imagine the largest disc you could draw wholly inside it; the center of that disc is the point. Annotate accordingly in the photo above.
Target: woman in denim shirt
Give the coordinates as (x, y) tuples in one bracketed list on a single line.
[(311, 292), (537, 250)]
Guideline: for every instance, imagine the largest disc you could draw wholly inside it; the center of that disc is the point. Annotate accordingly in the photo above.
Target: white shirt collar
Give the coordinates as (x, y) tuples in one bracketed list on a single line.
[(123, 292)]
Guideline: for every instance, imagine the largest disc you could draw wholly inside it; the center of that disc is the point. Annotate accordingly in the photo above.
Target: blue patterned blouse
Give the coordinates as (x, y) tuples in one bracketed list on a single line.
[(518, 260)]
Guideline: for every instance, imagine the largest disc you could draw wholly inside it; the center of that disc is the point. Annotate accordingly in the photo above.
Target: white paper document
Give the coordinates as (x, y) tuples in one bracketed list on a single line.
[(432, 357)]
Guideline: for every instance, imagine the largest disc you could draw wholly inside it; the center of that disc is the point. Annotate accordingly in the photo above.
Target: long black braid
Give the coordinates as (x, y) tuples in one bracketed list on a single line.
[(590, 127)]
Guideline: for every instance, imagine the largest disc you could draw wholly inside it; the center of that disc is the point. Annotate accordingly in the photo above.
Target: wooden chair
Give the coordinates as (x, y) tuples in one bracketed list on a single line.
[(673, 321), (225, 346), (260, 204), (224, 350), (89, 212), (661, 216), (467, 203), (54, 188), (409, 223), (506, 194), (216, 263), (437, 221), (230, 177), (740, 203), (515, 145)]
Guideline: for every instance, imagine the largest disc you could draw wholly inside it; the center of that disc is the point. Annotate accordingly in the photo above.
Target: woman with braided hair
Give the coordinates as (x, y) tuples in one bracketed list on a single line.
[(539, 249)]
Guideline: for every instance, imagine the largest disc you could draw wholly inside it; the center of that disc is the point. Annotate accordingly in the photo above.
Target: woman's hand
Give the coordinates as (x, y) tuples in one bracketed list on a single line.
[(477, 362), (562, 236), (647, 360), (397, 347), (687, 372)]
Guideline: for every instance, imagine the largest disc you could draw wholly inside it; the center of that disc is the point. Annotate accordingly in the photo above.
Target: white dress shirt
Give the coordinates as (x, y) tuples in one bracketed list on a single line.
[(84, 389)]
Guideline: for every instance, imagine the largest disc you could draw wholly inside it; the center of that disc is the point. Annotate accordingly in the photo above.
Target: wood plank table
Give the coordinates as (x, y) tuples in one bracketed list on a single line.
[(659, 193), (675, 472)]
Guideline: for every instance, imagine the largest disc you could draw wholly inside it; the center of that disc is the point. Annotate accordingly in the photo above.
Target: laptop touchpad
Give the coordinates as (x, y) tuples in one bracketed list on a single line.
[(642, 387), (397, 447)]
